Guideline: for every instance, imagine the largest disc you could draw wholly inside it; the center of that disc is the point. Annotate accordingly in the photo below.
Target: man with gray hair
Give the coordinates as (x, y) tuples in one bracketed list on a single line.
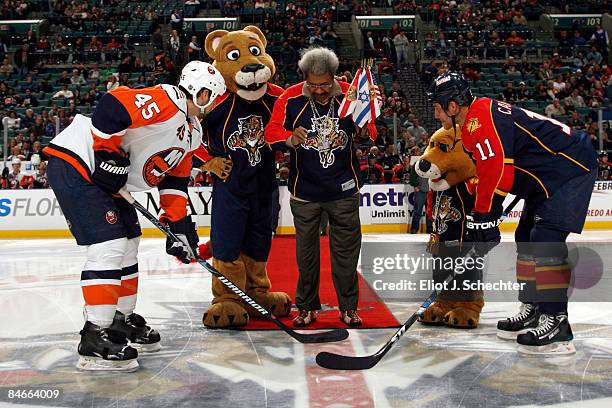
[(323, 176)]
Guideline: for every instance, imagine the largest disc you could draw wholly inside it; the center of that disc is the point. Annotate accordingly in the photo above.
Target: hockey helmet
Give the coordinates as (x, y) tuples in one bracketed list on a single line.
[(198, 75), (450, 86)]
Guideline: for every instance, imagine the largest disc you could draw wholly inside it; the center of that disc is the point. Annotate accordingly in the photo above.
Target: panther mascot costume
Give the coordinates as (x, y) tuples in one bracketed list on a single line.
[(243, 170), (451, 175)]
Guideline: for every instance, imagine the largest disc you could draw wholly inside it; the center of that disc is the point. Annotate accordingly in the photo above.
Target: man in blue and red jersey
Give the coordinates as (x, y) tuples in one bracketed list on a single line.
[(553, 168), (324, 175)]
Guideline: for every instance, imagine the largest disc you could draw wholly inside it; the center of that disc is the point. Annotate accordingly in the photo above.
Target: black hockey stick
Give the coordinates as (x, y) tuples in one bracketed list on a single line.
[(324, 337), (334, 361)]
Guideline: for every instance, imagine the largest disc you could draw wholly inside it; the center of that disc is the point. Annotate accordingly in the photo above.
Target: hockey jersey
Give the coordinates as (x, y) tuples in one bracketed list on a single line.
[(324, 167), (235, 129), (151, 126), (521, 152)]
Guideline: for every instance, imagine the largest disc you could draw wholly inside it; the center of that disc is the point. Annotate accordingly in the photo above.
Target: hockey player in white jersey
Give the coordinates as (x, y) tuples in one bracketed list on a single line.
[(137, 139)]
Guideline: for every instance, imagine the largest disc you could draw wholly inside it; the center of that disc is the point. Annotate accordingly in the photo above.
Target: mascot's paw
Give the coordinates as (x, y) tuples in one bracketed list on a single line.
[(225, 314), (465, 315), (279, 303), (434, 314)]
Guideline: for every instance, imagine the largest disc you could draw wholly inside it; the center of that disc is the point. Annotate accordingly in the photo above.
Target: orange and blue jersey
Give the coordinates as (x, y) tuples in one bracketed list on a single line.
[(521, 152), (152, 127)]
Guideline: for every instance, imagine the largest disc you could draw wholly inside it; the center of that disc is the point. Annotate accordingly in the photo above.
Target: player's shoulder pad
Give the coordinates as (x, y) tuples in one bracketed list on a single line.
[(175, 95)]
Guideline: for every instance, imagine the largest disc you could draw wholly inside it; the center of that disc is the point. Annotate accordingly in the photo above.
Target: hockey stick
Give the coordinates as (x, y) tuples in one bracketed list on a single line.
[(334, 361), (324, 337)]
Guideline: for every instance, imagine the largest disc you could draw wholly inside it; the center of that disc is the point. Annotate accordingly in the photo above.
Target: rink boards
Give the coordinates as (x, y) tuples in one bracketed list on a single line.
[(384, 208)]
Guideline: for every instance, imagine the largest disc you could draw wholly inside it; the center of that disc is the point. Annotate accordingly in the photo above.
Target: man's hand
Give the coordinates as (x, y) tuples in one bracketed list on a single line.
[(219, 166), (299, 136), (483, 231), (111, 170), (187, 249)]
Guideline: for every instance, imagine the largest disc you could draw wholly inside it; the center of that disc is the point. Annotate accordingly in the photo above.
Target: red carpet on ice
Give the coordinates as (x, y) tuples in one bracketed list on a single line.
[(283, 272)]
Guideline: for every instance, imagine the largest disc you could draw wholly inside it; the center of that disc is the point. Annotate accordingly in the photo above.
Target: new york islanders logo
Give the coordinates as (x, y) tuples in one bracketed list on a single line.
[(249, 137), (327, 138), (160, 164)]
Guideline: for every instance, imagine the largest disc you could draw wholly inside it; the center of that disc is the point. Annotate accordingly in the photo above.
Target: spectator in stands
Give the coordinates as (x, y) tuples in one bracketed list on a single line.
[(416, 130), (65, 79), (29, 99), (509, 93), (126, 46), (37, 130), (77, 78), (576, 122), (594, 55), (401, 43), (519, 19), (514, 40), (23, 59), (551, 90), (174, 46), (373, 173), (389, 160), (6, 68), (13, 121), (157, 39), (605, 170), (64, 92), (194, 49), (401, 172), (3, 48), (43, 44), (385, 67), (112, 83), (472, 69), (370, 50), (288, 57), (554, 109), (579, 40), (525, 66), (510, 67), (522, 93), (176, 21), (577, 99), (559, 84), (28, 119), (421, 187), (601, 41), (329, 33), (545, 72)]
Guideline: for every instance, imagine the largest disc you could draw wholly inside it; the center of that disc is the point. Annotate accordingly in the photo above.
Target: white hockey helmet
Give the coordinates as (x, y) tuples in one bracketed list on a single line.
[(35, 160), (198, 75), (15, 160)]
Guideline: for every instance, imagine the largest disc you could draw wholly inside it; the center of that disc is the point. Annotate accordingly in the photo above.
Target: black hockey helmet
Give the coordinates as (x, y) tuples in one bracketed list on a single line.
[(450, 86)]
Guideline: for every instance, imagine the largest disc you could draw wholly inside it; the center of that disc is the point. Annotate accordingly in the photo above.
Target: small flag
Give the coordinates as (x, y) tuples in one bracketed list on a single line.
[(348, 103), (363, 99)]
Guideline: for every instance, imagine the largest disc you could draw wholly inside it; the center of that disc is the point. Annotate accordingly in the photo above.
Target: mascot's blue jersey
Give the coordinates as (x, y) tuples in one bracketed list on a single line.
[(235, 128)]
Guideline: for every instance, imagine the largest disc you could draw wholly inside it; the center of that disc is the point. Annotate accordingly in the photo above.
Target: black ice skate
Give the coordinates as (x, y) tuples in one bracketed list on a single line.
[(105, 350), (525, 319), (552, 337), (135, 328)]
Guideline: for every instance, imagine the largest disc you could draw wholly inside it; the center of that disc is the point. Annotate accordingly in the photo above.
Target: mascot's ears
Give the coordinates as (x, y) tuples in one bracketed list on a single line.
[(213, 40)]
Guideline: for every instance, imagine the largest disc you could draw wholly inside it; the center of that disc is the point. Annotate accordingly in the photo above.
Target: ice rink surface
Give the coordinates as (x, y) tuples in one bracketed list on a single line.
[(41, 314)]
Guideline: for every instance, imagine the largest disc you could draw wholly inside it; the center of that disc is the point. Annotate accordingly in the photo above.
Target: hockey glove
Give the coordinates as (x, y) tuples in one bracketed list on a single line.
[(5, 173), (219, 166), (483, 231), (111, 171), (187, 249)]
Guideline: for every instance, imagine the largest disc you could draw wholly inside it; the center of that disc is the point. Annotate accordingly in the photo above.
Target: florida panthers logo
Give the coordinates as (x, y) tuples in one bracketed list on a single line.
[(249, 137), (327, 138), (445, 213), (160, 164)]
